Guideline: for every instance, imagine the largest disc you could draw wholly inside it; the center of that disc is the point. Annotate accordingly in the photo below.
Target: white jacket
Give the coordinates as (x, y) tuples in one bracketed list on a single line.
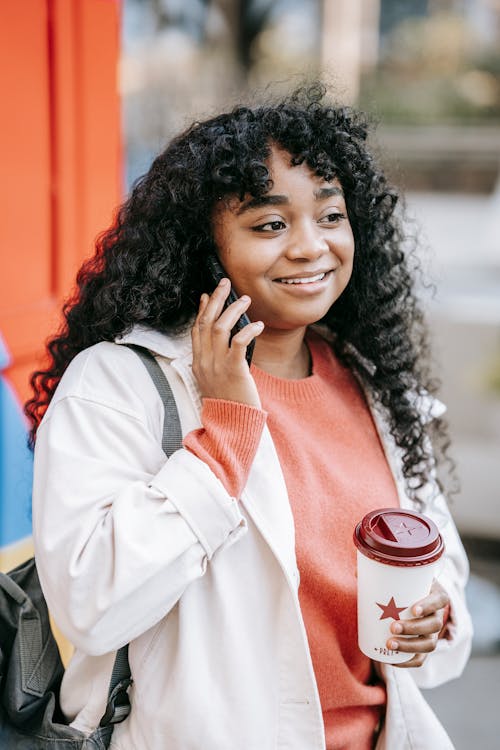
[(133, 548)]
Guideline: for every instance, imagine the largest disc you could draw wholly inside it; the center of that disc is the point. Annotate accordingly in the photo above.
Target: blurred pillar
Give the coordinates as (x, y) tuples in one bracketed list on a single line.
[(350, 33), (370, 34), (61, 161)]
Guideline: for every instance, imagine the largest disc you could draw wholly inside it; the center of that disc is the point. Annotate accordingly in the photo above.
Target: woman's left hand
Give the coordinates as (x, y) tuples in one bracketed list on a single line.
[(424, 630)]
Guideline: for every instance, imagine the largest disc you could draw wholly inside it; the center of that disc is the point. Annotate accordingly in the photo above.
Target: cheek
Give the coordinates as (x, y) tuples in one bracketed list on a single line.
[(223, 244), (349, 241), (347, 250), (343, 249), (245, 262), (242, 270)]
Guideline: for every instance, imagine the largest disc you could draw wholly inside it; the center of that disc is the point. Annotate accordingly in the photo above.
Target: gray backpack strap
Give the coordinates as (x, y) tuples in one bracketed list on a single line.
[(118, 705), (172, 433)]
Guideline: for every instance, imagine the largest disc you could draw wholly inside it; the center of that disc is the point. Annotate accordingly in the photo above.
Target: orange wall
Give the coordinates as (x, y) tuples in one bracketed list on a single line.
[(60, 155)]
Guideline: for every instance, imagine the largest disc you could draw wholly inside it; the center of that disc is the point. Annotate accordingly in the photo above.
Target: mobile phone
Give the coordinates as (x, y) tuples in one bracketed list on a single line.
[(216, 273)]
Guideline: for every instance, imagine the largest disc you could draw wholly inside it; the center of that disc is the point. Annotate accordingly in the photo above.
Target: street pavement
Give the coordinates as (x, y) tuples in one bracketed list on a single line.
[(469, 707)]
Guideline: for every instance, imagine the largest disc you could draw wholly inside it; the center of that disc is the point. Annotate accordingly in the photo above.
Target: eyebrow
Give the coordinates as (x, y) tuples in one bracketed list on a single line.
[(327, 192), (283, 200)]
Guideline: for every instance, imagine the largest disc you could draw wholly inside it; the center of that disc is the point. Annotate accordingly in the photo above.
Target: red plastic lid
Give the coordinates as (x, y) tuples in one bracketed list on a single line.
[(399, 537)]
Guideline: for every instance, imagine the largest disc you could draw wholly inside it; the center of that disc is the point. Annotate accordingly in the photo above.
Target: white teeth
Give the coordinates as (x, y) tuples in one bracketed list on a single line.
[(307, 280)]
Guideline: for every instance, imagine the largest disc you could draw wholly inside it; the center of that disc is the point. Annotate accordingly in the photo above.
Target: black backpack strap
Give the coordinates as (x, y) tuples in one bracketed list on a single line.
[(118, 705)]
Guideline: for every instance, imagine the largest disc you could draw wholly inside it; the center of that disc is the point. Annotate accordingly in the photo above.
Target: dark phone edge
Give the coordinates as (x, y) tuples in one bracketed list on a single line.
[(217, 272)]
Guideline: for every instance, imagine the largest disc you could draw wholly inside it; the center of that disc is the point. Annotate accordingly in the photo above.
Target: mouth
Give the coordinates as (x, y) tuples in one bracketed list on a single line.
[(302, 280)]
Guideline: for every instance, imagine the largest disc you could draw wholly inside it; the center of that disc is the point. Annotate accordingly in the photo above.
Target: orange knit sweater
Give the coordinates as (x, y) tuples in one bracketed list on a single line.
[(335, 471)]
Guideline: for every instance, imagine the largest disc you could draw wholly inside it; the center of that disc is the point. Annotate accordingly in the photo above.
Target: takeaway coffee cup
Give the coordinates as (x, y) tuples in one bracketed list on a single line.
[(398, 555)]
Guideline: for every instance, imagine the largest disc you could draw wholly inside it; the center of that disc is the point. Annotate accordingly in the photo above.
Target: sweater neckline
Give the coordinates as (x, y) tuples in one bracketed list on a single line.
[(310, 388)]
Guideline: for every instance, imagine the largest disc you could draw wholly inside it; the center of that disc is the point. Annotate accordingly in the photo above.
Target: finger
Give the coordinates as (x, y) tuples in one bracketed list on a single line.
[(222, 327), (420, 626), (240, 342), (195, 331), (195, 334), (421, 645), (201, 308), (229, 317), (216, 301), (211, 313), (416, 661), (436, 599)]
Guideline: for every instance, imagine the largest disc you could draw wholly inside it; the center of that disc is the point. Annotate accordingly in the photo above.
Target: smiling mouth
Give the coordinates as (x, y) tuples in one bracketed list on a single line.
[(304, 279)]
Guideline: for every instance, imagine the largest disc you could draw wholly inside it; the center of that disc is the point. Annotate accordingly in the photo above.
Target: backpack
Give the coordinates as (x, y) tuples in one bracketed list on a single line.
[(31, 669)]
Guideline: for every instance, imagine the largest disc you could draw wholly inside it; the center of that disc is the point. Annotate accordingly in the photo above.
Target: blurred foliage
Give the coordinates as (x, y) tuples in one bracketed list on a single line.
[(184, 59), (434, 70)]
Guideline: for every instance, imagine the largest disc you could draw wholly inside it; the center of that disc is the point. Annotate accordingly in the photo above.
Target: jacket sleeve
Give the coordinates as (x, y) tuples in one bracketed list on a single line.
[(449, 658), (451, 654), (120, 531)]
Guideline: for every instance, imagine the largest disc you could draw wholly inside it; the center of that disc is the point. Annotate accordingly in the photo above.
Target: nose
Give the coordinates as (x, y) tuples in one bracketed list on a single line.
[(306, 242)]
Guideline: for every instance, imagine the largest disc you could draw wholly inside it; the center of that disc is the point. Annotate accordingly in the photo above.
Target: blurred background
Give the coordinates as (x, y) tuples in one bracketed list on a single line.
[(122, 78)]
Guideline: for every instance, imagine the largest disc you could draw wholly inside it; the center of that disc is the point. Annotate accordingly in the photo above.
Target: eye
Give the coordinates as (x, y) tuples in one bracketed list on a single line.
[(332, 218), (270, 226)]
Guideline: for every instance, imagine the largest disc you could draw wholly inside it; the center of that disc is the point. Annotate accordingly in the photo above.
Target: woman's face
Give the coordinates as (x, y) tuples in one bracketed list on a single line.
[(290, 250)]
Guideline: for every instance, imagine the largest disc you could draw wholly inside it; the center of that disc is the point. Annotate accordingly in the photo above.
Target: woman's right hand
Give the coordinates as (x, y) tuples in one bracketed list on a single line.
[(220, 369)]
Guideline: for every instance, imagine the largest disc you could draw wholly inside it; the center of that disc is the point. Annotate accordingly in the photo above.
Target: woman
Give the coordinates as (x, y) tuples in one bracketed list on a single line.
[(196, 560)]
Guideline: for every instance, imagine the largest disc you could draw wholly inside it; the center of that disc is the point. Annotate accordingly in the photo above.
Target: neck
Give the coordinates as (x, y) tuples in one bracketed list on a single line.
[(283, 354)]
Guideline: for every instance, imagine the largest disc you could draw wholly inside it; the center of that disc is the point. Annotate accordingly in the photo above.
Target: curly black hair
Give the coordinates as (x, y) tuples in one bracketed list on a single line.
[(149, 266)]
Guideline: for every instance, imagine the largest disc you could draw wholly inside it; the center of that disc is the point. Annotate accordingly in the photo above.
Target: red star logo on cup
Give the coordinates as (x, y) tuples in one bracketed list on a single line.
[(390, 610)]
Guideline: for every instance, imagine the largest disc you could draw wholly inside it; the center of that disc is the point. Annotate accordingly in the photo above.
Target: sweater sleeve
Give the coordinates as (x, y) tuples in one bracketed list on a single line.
[(228, 440)]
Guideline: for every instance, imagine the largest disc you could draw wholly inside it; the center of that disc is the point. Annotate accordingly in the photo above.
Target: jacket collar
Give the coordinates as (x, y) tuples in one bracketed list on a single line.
[(178, 346), (171, 346), (175, 346)]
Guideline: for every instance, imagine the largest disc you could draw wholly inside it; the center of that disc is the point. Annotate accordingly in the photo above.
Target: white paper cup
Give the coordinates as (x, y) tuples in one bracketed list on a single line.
[(398, 556)]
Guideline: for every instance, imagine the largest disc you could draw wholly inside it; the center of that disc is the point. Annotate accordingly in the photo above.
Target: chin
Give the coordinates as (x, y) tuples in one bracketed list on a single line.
[(293, 324)]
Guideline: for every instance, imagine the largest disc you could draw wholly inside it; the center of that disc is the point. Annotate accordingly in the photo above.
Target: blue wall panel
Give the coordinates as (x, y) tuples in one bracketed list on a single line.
[(16, 463)]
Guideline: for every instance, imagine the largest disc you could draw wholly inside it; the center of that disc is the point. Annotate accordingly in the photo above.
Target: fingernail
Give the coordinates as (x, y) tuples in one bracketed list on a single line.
[(396, 627), (259, 324), (245, 298), (394, 645), (223, 282), (417, 611)]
